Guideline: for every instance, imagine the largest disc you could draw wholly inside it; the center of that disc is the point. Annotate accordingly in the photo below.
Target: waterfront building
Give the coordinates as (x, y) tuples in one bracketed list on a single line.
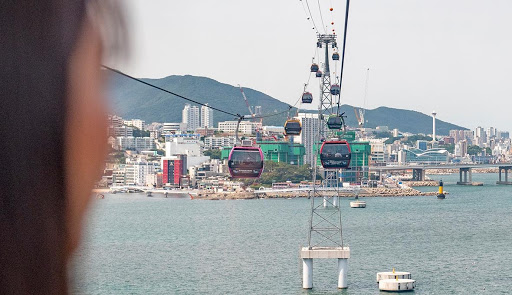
[(118, 176), (137, 172), (382, 129), (137, 123), (174, 169), (190, 116), (432, 156), (311, 125), (395, 132), (206, 117)]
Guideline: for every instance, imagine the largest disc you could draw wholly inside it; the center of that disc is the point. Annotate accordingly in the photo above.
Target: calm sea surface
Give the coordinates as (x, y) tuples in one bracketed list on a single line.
[(139, 245)]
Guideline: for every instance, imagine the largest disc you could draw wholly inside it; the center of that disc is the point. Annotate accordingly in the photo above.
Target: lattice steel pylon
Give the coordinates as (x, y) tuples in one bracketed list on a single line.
[(325, 229)]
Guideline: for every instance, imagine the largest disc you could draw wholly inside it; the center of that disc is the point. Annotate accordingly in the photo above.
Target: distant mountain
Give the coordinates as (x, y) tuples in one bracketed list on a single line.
[(133, 100), (404, 120)]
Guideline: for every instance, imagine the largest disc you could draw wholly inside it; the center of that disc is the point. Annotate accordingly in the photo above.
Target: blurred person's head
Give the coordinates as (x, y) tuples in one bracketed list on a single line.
[(52, 137)]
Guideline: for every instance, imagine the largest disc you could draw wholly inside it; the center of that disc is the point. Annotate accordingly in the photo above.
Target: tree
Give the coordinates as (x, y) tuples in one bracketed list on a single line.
[(214, 154), (474, 150), (488, 151), (449, 147)]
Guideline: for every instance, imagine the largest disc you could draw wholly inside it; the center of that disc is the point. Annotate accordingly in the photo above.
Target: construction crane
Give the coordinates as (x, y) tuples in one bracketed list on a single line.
[(253, 114), (246, 101)]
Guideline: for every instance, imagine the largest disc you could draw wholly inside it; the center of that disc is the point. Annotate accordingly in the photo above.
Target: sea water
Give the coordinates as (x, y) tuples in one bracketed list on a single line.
[(134, 244)]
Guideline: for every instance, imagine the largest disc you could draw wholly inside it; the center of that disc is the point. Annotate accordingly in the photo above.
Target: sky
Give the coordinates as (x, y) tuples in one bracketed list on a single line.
[(451, 56)]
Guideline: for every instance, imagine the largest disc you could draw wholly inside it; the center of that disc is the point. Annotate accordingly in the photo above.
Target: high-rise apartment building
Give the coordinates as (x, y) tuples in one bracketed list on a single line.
[(206, 117), (311, 125), (190, 116)]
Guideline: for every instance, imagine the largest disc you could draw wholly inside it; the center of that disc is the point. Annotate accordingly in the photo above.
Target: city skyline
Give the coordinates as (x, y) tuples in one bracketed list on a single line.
[(421, 57)]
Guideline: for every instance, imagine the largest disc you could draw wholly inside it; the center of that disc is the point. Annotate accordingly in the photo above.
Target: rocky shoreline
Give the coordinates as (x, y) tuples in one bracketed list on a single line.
[(365, 192), (456, 170)]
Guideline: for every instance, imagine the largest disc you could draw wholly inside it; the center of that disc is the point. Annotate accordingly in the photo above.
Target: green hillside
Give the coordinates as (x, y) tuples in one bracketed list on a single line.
[(131, 100)]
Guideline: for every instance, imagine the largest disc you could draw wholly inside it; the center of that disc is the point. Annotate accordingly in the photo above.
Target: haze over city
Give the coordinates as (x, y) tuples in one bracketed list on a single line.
[(451, 56)]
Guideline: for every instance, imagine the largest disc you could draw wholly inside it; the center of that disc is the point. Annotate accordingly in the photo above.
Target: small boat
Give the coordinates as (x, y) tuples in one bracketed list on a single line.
[(358, 204)]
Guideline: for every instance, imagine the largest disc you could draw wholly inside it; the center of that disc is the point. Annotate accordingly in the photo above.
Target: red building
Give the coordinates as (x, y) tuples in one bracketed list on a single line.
[(174, 168)]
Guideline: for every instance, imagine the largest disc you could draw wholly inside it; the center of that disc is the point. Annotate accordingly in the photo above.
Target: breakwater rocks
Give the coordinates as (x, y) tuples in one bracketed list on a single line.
[(365, 192), (421, 183), (456, 170), (393, 192)]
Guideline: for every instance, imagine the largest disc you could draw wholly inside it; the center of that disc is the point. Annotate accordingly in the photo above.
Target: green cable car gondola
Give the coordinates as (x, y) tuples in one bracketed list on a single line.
[(334, 122), (292, 127)]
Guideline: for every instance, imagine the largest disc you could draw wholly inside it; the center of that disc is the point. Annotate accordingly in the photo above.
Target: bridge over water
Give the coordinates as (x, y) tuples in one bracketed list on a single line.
[(465, 172)]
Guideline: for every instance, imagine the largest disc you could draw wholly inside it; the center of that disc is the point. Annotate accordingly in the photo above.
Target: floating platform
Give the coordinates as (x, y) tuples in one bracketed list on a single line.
[(358, 204), (470, 183), (394, 285), (504, 182), (388, 275)]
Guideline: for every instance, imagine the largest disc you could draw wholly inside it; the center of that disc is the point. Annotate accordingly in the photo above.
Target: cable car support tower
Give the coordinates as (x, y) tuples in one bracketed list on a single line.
[(325, 235)]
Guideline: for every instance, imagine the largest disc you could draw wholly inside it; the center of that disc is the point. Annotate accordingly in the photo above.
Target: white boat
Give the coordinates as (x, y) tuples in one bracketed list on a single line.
[(358, 204)]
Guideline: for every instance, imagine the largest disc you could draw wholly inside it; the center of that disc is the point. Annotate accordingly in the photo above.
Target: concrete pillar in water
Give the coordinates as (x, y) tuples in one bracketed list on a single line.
[(325, 202), (335, 201), (342, 273), (307, 273), (470, 175)]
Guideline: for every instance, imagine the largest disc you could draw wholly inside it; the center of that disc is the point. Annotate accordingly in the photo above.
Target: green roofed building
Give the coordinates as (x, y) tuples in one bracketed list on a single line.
[(277, 151)]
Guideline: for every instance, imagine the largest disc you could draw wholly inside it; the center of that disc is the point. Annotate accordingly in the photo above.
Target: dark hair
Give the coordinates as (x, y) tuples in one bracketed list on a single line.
[(37, 39)]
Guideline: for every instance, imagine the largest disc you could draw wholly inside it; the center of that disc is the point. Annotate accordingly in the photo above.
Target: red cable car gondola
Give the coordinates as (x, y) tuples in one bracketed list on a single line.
[(335, 154), (319, 74), (307, 97), (336, 56), (314, 68), (245, 162)]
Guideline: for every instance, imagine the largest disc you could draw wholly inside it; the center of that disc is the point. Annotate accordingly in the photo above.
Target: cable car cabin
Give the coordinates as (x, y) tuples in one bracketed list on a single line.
[(334, 122), (335, 89), (307, 97), (245, 162), (314, 68), (335, 154), (335, 56), (292, 127), (319, 74)]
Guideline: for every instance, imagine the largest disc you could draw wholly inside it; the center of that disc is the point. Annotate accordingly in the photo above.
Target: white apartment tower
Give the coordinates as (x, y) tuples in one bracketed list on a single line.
[(310, 129), (206, 117), (191, 117)]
